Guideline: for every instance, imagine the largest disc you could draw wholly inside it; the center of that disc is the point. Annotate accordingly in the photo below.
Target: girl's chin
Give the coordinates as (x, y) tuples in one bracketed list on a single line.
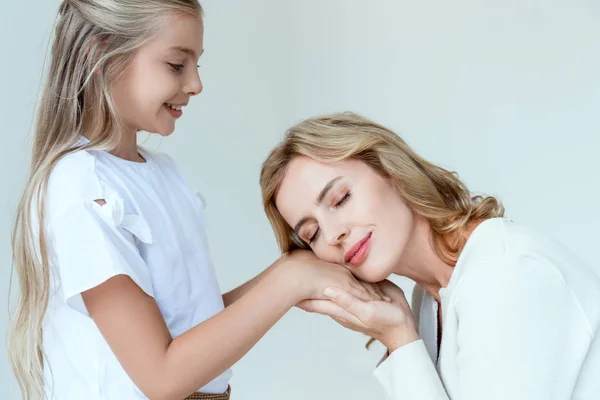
[(163, 131)]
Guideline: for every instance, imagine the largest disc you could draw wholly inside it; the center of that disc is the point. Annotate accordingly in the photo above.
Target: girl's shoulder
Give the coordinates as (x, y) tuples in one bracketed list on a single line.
[(172, 169), (162, 161), (84, 176), (157, 157), (88, 174), (73, 180)]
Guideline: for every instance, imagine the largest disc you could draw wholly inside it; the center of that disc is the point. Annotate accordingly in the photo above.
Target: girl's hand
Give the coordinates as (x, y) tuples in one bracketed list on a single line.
[(314, 276), (391, 323)]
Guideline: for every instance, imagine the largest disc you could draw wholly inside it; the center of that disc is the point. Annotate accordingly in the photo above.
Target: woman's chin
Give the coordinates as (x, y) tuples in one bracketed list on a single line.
[(373, 274)]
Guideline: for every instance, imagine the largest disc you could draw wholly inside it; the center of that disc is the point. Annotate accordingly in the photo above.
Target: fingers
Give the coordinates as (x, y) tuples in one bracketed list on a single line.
[(371, 289), (388, 286), (324, 307), (333, 310), (361, 310), (306, 305), (360, 292), (374, 291), (392, 291), (380, 292)]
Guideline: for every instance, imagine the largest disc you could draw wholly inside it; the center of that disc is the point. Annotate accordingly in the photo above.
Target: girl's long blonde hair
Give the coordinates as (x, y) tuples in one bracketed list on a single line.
[(429, 190), (94, 42)]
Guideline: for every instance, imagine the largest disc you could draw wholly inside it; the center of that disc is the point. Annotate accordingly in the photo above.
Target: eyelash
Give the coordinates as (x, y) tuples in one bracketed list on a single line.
[(338, 204), (342, 200), (179, 67), (176, 67)]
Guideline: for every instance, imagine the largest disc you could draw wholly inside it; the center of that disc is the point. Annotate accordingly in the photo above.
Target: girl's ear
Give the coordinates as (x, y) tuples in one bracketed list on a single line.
[(95, 50)]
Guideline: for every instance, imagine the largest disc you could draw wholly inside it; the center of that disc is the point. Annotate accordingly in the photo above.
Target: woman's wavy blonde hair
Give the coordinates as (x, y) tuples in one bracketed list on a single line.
[(430, 191), (94, 42)]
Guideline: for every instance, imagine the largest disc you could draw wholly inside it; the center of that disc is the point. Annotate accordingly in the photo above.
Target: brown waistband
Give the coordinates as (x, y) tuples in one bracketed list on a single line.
[(207, 396)]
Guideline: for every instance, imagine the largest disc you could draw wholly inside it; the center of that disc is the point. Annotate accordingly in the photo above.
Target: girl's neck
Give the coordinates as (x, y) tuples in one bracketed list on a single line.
[(127, 148)]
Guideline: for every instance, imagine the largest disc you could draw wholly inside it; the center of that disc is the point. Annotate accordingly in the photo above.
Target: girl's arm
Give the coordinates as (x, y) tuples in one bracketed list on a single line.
[(166, 368), (234, 295)]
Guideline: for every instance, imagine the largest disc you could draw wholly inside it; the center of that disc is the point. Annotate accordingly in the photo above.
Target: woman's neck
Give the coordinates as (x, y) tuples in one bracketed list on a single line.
[(422, 264)]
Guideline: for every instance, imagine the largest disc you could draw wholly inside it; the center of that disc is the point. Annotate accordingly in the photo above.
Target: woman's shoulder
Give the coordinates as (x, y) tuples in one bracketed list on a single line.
[(500, 240), (518, 259)]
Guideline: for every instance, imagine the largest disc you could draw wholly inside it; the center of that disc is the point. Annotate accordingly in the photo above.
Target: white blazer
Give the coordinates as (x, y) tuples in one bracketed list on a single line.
[(521, 318)]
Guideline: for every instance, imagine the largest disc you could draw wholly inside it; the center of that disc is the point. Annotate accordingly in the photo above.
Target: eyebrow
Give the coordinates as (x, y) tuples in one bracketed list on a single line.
[(187, 50), (320, 198)]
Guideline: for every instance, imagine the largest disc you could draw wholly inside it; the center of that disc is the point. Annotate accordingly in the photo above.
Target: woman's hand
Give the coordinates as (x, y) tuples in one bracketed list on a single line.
[(314, 276), (391, 323)]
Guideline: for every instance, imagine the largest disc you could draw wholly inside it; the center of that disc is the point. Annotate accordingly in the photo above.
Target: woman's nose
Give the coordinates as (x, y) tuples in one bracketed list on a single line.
[(338, 235)]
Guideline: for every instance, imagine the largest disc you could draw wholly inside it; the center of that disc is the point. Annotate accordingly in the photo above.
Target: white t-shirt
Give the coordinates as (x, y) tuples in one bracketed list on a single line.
[(151, 229), (521, 321)]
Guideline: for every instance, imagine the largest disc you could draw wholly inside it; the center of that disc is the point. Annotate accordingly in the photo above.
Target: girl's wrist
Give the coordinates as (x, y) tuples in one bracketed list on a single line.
[(285, 276)]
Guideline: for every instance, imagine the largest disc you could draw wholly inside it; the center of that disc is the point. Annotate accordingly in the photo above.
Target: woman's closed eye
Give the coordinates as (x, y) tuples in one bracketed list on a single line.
[(342, 200), (338, 203), (313, 237)]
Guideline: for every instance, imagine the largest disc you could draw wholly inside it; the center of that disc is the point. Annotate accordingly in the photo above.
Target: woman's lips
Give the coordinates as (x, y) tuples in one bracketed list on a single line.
[(358, 252)]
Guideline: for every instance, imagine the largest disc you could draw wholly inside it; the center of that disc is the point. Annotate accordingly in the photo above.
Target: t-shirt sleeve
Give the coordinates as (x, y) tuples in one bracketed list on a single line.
[(91, 243)]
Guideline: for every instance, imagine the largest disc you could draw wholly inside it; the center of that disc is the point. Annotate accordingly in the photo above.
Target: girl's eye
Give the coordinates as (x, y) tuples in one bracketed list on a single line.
[(176, 67), (313, 237), (342, 200)]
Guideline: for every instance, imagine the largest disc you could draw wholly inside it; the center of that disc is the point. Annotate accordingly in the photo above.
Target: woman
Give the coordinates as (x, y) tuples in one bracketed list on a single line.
[(500, 311)]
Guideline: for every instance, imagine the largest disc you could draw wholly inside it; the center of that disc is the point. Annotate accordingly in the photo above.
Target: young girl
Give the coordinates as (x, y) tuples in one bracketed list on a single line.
[(115, 276)]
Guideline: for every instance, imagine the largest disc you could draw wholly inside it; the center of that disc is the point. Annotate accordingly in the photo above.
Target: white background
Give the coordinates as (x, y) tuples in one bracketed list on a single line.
[(505, 92)]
